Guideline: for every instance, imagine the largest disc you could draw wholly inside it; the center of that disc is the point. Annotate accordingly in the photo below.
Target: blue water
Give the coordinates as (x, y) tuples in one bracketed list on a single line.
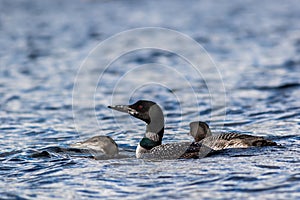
[(249, 84)]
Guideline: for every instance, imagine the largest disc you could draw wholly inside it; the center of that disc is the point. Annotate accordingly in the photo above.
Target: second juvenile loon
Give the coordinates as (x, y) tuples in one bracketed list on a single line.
[(151, 145), (202, 133)]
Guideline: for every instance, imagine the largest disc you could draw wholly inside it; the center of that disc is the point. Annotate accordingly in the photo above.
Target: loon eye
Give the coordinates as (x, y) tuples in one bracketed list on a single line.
[(140, 107)]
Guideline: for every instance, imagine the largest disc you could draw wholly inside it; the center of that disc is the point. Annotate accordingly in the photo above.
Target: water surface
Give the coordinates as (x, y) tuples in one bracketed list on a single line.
[(255, 46)]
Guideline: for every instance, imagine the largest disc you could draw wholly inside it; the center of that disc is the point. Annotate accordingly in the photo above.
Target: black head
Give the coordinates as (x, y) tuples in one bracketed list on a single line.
[(199, 130), (142, 109)]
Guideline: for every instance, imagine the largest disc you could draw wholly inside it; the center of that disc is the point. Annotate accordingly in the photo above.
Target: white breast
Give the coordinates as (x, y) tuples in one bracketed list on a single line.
[(140, 151)]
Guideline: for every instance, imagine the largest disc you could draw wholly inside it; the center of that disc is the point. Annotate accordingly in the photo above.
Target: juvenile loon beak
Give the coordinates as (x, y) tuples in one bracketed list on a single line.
[(124, 108)]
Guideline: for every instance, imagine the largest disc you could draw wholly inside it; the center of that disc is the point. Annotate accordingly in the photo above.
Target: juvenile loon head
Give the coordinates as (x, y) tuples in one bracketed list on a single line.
[(199, 130), (149, 112), (104, 144)]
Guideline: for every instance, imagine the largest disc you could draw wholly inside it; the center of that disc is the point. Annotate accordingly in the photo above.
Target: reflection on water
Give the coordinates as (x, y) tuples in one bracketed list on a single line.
[(255, 46)]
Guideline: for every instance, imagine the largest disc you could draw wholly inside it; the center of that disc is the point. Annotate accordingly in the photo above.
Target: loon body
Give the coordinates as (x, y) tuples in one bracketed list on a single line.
[(99, 145), (201, 133), (151, 145)]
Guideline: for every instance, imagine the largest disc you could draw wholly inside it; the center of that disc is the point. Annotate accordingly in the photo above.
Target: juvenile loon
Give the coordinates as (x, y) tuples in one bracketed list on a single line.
[(151, 145), (201, 133), (99, 146)]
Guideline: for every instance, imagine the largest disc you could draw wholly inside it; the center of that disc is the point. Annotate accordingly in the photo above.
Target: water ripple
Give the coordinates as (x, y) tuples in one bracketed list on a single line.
[(255, 47)]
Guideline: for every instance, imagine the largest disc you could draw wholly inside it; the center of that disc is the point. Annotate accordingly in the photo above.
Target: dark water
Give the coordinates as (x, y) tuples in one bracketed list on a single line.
[(254, 45)]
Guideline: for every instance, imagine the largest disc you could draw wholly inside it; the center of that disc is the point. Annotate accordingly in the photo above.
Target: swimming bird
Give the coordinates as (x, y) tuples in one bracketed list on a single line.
[(202, 133), (151, 146), (99, 146)]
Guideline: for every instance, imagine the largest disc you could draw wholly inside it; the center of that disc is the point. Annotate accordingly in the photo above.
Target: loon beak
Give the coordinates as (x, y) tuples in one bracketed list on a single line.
[(124, 108)]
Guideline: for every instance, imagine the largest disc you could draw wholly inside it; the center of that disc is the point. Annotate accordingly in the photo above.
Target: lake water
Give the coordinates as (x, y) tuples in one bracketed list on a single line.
[(63, 62)]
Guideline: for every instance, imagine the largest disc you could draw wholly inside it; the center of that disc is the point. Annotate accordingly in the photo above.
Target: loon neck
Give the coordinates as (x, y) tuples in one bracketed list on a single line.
[(157, 130), (154, 129), (156, 123), (152, 138)]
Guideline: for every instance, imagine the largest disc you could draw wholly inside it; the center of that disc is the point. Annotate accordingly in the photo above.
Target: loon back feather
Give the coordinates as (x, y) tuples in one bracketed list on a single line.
[(235, 140), (177, 150)]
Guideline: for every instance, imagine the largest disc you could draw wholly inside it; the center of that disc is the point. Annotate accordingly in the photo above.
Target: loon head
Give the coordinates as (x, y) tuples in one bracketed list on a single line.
[(148, 111), (199, 130), (104, 144), (140, 109)]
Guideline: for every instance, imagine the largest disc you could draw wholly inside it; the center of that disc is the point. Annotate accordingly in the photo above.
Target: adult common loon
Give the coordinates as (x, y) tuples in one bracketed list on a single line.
[(202, 133), (151, 144)]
